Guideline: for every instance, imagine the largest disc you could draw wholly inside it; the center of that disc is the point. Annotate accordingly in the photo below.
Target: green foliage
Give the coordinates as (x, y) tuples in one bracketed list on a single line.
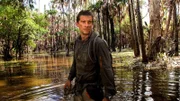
[(76, 29), (121, 1), (21, 26), (23, 4), (31, 43), (125, 24), (60, 33), (52, 12), (123, 59), (7, 14), (40, 19), (40, 25), (96, 7)]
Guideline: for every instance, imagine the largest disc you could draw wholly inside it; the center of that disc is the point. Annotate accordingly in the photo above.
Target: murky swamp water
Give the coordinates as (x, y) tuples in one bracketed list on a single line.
[(41, 78)]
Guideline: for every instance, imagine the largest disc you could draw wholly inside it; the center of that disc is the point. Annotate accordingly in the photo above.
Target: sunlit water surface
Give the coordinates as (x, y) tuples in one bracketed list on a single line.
[(41, 78)]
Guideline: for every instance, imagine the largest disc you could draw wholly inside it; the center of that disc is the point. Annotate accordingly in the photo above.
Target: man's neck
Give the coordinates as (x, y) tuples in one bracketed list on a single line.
[(84, 37)]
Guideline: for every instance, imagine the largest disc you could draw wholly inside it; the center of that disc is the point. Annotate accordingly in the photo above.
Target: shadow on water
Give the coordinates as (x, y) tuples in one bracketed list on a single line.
[(41, 78)]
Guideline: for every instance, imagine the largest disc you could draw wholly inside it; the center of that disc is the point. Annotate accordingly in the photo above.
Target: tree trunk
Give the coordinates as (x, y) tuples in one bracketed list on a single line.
[(69, 25), (169, 18), (119, 21), (52, 32), (112, 35), (107, 22), (140, 30), (104, 23), (19, 45), (133, 30), (99, 23), (155, 28), (6, 50), (175, 29)]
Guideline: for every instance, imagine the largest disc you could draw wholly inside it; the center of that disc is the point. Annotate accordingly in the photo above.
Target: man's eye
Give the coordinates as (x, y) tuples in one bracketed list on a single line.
[(90, 22), (83, 21)]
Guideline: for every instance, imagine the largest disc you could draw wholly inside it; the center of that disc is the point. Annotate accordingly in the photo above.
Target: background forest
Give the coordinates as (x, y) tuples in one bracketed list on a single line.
[(25, 30)]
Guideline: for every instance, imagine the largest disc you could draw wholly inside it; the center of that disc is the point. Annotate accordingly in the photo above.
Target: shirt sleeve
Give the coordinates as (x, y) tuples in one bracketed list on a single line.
[(72, 72), (106, 70)]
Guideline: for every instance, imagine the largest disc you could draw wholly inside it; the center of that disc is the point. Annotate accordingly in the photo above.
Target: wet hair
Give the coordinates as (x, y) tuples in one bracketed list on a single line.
[(83, 12)]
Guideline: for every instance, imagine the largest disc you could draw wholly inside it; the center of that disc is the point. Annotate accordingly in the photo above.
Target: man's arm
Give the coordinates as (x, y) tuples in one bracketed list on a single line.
[(72, 72), (106, 70), (71, 76)]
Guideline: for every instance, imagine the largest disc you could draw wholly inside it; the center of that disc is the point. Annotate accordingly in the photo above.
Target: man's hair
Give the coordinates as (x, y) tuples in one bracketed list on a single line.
[(83, 12)]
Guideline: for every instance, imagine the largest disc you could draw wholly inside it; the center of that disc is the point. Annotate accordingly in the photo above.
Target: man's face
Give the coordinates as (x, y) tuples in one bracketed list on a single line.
[(85, 24)]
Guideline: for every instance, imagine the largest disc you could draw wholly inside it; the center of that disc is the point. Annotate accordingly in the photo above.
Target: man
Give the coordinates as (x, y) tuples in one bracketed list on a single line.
[(94, 77)]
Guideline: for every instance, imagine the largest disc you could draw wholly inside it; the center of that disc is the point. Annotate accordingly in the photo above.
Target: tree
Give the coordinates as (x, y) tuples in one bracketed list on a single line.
[(21, 3), (133, 29), (18, 29), (97, 8), (175, 29), (8, 29), (169, 18), (155, 29), (52, 19), (69, 26), (140, 30)]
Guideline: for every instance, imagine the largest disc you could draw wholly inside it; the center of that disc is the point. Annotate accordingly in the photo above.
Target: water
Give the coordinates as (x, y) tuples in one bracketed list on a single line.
[(42, 77), (36, 78), (148, 85)]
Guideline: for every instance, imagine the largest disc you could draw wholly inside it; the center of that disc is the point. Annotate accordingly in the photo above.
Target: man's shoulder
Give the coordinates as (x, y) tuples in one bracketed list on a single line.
[(100, 40), (97, 38)]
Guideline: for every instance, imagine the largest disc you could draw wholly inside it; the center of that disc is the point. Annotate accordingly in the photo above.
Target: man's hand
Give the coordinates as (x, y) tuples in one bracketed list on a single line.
[(105, 99), (67, 84), (67, 87)]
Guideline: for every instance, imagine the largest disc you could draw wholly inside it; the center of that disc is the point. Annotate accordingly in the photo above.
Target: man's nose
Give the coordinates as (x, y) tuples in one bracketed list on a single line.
[(87, 24)]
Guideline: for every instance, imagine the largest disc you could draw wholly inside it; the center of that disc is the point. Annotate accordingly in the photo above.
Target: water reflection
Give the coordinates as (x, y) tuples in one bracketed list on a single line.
[(138, 85), (41, 77), (147, 85), (34, 78), (165, 85)]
